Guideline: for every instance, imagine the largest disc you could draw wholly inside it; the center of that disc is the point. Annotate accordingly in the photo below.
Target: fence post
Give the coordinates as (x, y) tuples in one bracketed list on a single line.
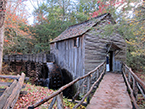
[(88, 88), (52, 103), (129, 77), (60, 101)]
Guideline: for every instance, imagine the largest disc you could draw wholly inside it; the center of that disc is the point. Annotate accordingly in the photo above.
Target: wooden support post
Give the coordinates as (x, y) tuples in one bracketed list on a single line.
[(88, 88), (97, 74), (60, 101), (91, 88), (52, 103), (135, 89), (78, 91), (129, 77), (141, 90)]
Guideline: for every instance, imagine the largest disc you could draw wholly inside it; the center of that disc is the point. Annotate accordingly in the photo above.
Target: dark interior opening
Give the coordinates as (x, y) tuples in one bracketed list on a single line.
[(32, 66), (43, 76), (67, 77), (111, 60), (44, 71)]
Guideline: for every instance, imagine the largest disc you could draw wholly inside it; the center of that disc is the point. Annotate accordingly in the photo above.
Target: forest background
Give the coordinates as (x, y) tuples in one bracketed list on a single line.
[(51, 17)]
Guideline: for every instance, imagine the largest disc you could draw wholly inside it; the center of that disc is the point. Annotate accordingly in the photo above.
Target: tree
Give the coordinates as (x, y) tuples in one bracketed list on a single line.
[(51, 19), (18, 38), (2, 18)]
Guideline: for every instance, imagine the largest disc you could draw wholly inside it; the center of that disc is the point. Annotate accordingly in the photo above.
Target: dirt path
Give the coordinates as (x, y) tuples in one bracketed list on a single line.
[(111, 94)]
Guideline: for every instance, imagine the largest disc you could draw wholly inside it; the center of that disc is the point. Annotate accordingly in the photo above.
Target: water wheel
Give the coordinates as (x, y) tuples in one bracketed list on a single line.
[(55, 76)]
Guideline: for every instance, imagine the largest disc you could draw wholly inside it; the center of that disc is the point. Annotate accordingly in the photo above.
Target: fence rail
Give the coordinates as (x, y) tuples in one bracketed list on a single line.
[(92, 78), (134, 84), (11, 93)]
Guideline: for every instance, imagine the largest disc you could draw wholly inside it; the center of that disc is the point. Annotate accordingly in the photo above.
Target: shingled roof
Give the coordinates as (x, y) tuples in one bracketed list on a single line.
[(79, 29)]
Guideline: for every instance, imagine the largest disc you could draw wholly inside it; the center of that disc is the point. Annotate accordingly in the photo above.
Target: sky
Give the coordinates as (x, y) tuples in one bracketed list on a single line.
[(31, 5)]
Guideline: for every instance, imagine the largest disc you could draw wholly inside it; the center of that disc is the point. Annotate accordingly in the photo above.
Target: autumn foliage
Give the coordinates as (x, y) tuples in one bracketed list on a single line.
[(106, 6), (15, 25)]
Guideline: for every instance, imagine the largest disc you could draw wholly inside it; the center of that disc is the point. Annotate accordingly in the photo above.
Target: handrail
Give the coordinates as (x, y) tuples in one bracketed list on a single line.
[(136, 78), (134, 84), (71, 83)]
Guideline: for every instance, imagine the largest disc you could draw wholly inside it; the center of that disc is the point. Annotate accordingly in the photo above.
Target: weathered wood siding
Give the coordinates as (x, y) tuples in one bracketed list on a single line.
[(95, 46), (69, 56), (91, 51)]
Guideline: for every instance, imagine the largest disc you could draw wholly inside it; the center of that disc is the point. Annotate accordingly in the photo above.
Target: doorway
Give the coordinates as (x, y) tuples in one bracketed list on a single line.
[(111, 60)]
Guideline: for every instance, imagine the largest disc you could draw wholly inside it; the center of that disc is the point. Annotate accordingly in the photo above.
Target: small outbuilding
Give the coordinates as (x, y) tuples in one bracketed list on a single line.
[(81, 47)]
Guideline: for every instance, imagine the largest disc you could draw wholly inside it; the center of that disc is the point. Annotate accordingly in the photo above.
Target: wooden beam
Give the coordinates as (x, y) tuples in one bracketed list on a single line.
[(12, 77), (9, 76), (15, 93), (52, 103), (5, 83), (60, 101), (6, 94)]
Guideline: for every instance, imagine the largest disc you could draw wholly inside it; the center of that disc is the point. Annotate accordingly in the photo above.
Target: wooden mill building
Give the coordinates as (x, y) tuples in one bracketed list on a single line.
[(81, 47)]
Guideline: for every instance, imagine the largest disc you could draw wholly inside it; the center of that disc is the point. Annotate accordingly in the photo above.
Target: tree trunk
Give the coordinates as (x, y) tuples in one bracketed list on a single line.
[(1, 46), (2, 17)]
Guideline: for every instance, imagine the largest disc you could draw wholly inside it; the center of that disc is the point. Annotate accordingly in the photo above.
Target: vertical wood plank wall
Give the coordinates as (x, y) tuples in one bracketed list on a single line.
[(69, 56)]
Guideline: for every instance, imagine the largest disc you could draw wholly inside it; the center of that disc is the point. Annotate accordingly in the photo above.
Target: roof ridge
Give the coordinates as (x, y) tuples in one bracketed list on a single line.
[(79, 29), (89, 19)]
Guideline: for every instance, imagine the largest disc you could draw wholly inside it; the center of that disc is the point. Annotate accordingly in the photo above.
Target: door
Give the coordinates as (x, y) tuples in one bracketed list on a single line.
[(111, 60)]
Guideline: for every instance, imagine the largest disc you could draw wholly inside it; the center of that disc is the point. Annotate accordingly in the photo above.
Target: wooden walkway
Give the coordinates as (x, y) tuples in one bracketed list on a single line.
[(111, 94)]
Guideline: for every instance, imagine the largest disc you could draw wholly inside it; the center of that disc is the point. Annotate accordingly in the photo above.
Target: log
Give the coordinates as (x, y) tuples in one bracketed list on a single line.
[(9, 76), (52, 103), (6, 94), (14, 101), (60, 101), (12, 77), (136, 78), (5, 84), (15, 92), (88, 88), (141, 90)]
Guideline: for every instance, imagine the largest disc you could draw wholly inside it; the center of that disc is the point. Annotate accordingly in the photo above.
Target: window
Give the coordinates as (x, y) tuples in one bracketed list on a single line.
[(77, 42), (56, 45)]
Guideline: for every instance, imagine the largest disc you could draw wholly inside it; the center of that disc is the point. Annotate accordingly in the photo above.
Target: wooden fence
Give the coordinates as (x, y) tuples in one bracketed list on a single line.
[(133, 83), (11, 93), (92, 79)]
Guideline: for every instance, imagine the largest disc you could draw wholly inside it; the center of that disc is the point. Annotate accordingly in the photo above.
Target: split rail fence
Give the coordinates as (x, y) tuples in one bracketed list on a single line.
[(92, 79), (134, 84), (11, 93)]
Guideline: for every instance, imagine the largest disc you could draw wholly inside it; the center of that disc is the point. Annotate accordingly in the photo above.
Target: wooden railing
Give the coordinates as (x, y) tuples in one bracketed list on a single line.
[(11, 93), (89, 80), (134, 84)]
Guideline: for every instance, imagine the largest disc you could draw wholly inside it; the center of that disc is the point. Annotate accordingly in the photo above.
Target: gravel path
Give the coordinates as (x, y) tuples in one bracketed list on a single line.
[(111, 94)]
